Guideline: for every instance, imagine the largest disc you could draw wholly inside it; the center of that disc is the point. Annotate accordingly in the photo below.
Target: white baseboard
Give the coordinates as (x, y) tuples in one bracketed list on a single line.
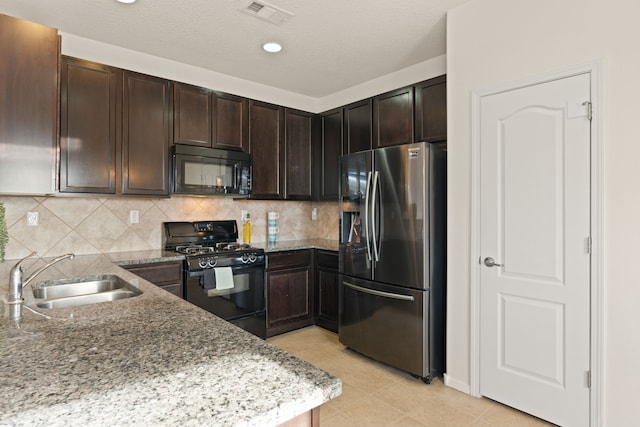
[(457, 384)]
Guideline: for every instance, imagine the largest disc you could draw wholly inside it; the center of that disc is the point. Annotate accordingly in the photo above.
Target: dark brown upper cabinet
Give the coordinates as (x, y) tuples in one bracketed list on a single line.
[(393, 118), (146, 132), (357, 126), (266, 143), (210, 119), (298, 155), (230, 122), (431, 110), (331, 150), (29, 55), (191, 115), (89, 119)]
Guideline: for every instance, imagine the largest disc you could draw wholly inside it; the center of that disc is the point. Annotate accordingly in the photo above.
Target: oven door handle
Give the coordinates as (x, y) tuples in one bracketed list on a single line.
[(235, 268)]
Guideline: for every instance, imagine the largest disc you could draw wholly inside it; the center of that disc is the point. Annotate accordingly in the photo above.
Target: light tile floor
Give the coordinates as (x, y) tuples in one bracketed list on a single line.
[(374, 394)]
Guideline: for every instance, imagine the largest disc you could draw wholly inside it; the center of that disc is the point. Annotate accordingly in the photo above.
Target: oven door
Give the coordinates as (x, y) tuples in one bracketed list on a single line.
[(242, 304)]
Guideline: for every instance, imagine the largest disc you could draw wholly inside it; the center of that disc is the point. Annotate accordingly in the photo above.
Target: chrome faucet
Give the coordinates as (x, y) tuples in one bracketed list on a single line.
[(16, 283)]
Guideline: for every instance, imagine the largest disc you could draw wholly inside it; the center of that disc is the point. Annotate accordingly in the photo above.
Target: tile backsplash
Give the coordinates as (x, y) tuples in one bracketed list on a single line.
[(89, 225)]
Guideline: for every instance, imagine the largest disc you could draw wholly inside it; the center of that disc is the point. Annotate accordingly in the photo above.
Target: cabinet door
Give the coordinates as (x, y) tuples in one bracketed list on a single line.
[(393, 118), (357, 126), (331, 151), (28, 106), (266, 142), (288, 296), (191, 115), (145, 134), (298, 149), (327, 290), (230, 122), (167, 275), (88, 132), (431, 110)]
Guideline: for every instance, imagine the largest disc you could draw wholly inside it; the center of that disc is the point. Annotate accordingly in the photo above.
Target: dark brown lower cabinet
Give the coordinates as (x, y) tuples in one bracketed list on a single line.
[(326, 287), (307, 419), (302, 289), (289, 281), (167, 275)]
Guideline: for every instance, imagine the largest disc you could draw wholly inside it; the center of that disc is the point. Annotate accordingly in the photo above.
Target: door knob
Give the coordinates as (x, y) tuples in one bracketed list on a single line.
[(489, 262)]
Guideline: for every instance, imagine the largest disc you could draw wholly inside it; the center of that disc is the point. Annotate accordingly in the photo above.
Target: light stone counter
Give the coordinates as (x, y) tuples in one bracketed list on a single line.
[(153, 359)]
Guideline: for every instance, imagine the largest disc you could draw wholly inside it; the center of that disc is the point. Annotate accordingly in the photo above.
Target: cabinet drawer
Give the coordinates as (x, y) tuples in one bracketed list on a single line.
[(175, 289), (166, 273), (327, 259), (288, 259)]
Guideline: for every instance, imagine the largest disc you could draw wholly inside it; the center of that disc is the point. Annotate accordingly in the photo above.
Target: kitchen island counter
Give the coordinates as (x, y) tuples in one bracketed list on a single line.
[(153, 359)]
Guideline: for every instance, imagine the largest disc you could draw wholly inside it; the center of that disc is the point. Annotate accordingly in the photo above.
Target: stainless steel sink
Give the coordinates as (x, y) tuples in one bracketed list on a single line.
[(87, 299), (81, 291)]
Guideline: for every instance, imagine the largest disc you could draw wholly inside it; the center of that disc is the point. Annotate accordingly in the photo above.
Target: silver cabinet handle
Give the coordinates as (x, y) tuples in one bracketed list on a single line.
[(489, 262)]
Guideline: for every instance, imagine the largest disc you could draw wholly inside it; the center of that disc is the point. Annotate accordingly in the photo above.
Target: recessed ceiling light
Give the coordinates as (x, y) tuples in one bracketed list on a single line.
[(272, 47), (127, 1)]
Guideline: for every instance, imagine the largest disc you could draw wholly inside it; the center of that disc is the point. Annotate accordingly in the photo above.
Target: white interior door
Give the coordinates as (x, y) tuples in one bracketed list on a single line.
[(535, 225)]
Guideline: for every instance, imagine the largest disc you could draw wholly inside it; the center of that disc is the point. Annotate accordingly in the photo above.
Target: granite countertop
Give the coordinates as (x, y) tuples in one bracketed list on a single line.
[(153, 359), (289, 245)]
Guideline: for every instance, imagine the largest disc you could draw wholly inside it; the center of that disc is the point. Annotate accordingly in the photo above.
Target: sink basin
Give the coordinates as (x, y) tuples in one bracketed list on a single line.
[(87, 299), (81, 291), (73, 287)]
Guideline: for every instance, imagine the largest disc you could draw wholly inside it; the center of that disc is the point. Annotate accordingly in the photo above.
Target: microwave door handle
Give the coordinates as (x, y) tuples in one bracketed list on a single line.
[(236, 177)]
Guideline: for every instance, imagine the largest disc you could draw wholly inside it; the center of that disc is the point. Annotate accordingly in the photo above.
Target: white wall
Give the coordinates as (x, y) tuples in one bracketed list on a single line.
[(91, 50), (413, 74), (491, 42)]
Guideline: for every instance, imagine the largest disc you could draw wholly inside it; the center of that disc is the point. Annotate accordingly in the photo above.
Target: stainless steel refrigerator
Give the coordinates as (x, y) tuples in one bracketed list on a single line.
[(393, 256)]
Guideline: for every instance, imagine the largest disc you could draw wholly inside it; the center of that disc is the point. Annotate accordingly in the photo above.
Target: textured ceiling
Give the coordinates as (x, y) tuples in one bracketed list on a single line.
[(328, 45)]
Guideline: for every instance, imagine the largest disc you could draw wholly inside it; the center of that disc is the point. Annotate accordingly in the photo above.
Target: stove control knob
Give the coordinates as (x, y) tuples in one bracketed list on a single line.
[(245, 258), (202, 262), (252, 257), (212, 262)]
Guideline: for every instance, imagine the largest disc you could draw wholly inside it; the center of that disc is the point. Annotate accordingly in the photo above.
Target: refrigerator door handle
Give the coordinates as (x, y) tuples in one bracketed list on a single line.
[(366, 216), (379, 293), (376, 249)]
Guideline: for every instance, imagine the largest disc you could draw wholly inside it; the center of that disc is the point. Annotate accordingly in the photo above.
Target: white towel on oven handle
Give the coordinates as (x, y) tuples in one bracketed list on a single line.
[(224, 278)]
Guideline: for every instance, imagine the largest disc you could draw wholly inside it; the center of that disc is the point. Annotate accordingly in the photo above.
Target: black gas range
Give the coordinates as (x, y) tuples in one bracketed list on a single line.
[(221, 275)]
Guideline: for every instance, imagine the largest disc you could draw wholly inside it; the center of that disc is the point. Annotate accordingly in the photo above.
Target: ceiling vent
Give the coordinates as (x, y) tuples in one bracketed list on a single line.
[(267, 12)]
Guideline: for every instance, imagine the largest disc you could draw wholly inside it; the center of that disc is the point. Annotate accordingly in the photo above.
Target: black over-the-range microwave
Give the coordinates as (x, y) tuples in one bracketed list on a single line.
[(209, 171)]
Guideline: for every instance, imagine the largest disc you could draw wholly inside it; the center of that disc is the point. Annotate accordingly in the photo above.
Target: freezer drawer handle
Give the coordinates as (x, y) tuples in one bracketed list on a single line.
[(380, 293)]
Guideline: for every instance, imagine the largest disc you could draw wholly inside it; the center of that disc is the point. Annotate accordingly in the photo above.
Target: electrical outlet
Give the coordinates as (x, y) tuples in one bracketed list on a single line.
[(314, 214), (243, 215), (32, 219), (134, 217)]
